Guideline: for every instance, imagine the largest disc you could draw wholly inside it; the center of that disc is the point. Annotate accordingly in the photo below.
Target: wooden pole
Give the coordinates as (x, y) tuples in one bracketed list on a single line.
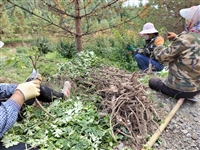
[(158, 132)]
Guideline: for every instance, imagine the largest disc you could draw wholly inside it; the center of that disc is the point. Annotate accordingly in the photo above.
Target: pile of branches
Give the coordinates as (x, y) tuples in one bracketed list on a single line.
[(124, 98)]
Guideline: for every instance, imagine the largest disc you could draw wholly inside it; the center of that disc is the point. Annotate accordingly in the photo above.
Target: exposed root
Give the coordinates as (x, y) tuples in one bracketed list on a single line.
[(43, 109), (125, 99)]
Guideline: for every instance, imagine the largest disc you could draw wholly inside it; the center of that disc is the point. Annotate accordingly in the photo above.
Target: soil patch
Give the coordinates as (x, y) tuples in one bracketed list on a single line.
[(183, 131)]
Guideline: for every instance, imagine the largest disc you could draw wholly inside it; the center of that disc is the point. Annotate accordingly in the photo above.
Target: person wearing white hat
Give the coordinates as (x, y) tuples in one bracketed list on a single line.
[(144, 56), (183, 58)]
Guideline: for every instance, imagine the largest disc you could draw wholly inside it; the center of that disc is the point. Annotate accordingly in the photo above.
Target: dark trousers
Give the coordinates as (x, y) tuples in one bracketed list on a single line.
[(143, 62), (158, 85), (20, 146)]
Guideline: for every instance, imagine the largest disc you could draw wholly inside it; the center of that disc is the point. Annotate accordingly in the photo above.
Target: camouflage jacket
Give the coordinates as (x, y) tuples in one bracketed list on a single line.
[(150, 46), (183, 58)]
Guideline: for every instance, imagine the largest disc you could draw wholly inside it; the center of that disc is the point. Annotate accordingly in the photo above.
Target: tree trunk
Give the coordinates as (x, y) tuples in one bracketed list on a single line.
[(23, 44), (78, 26)]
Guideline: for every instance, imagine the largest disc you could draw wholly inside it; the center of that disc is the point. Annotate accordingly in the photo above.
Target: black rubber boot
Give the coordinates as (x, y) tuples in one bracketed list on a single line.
[(48, 95)]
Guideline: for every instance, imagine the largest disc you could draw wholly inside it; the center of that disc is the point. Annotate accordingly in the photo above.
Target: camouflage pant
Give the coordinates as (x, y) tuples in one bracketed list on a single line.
[(158, 85)]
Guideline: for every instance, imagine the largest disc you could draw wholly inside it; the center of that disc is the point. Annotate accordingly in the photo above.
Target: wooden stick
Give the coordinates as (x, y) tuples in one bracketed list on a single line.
[(158, 132), (150, 68)]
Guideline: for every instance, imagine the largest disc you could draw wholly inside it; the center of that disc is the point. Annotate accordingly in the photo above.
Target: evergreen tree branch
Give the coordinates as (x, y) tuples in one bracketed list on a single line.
[(14, 4)]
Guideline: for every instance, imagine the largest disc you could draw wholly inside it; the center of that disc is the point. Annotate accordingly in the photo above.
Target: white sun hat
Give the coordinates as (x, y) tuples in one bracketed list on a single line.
[(1, 44), (148, 28), (184, 12), (188, 11)]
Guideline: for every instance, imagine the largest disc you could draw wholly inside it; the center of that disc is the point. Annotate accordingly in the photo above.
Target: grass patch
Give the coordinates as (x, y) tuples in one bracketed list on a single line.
[(16, 40)]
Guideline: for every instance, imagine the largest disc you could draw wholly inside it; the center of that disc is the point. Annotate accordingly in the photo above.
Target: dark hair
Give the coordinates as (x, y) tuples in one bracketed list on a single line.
[(156, 34)]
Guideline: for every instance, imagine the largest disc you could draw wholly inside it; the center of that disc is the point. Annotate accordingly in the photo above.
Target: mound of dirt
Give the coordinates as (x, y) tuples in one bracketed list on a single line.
[(6, 80)]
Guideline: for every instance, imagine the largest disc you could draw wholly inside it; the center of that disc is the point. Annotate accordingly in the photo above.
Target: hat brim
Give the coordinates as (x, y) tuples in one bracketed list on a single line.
[(148, 31), (184, 12), (1, 44)]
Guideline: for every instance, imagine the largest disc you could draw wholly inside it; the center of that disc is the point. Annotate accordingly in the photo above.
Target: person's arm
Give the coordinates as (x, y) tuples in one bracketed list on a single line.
[(149, 49), (9, 109), (170, 53), (159, 41), (7, 90)]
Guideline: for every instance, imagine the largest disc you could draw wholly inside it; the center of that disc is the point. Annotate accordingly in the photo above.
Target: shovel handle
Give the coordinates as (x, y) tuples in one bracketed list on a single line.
[(161, 128)]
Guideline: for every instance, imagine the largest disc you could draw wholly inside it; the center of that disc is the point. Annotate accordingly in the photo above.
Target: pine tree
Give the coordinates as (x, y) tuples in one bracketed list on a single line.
[(20, 23), (5, 24)]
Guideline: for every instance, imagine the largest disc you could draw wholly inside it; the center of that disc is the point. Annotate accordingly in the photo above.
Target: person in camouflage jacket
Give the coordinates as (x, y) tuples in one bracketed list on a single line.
[(144, 56), (183, 58)]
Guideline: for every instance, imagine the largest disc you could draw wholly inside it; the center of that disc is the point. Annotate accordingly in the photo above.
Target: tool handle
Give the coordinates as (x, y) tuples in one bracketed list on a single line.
[(167, 32), (158, 132)]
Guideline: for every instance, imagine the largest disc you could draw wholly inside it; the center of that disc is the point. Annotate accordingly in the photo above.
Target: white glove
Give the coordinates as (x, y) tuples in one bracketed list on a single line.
[(30, 89)]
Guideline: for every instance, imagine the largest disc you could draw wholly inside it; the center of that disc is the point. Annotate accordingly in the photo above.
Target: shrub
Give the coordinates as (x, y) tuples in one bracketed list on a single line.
[(44, 46), (66, 49), (113, 48), (76, 126), (79, 65), (47, 70), (22, 50)]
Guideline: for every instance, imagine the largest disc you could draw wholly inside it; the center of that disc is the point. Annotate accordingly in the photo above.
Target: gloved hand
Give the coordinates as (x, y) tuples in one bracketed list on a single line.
[(39, 77), (30, 89), (129, 47), (171, 36)]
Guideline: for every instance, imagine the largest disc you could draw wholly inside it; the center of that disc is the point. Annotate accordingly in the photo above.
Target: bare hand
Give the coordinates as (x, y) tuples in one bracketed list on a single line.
[(171, 36)]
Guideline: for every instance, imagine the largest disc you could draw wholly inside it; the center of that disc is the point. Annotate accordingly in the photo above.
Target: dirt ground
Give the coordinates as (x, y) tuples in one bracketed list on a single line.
[(183, 131)]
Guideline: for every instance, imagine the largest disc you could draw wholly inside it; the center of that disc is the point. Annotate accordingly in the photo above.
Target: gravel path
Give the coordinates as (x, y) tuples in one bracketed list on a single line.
[(183, 131)]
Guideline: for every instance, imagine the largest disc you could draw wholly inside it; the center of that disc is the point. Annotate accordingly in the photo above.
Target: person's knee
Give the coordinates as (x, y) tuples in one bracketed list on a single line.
[(155, 83), (160, 67), (138, 56)]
